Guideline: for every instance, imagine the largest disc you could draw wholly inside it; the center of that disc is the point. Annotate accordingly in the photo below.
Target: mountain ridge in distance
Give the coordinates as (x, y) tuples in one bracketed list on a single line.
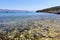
[(12, 11)]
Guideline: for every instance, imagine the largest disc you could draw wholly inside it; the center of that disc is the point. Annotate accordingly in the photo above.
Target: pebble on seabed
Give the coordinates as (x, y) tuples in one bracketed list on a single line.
[(34, 32)]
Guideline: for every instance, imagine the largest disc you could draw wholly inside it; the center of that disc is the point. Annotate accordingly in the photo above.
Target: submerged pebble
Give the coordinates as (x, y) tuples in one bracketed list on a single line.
[(36, 30)]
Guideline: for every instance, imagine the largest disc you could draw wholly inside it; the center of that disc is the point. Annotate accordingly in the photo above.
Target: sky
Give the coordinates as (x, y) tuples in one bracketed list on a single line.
[(28, 4)]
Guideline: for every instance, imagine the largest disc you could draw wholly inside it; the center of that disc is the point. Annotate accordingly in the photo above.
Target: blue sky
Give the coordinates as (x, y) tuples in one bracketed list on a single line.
[(28, 4)]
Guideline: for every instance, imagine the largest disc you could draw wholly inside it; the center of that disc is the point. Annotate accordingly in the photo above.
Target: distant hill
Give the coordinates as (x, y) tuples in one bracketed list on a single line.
[(51, 10), (13, 11)]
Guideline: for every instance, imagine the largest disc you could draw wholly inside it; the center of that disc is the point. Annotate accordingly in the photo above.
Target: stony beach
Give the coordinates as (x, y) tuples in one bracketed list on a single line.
[(33, 30)]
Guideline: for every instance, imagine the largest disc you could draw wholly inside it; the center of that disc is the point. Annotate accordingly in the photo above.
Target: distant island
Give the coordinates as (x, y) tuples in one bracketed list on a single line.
[(51, 10), (13, 11)]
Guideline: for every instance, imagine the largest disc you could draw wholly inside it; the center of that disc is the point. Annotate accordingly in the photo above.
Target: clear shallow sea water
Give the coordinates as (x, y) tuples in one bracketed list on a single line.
[(10, 20)]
